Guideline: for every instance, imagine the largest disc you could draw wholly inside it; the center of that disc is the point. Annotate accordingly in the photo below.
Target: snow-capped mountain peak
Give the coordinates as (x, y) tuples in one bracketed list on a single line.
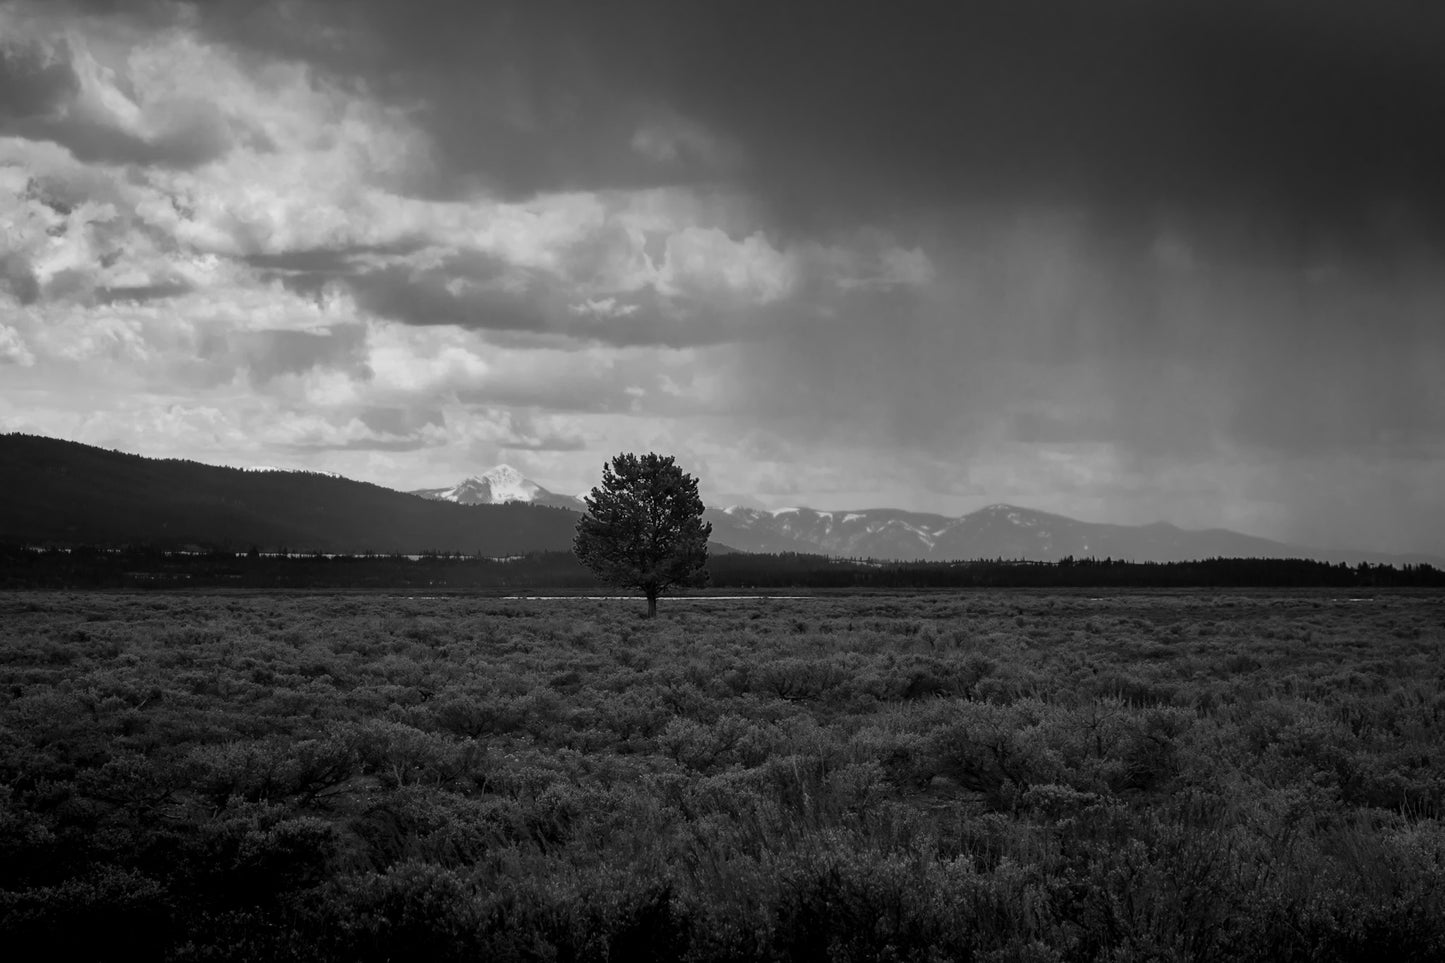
[(498, 486), (508, 485)]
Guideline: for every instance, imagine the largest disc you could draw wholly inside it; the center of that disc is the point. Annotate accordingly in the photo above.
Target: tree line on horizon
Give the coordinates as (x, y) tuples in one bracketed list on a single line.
[(151, 567)]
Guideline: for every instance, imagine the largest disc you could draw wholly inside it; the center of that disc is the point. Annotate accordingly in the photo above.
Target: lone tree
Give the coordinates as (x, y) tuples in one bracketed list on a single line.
[(643, 528)]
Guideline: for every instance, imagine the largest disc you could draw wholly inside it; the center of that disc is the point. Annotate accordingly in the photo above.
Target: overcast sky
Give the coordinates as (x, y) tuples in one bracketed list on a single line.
[(1128, 260)]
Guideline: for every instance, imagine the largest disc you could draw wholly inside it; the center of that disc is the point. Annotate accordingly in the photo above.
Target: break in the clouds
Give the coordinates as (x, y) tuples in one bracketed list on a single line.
[(1125, 260)]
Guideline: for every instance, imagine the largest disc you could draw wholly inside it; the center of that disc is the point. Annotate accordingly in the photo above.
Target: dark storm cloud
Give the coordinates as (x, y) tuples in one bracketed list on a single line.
[(195, 137), (32, 83), (1361, 395), (400, 421), (1313, 114), (482, 293), (517, 97), (1051, 337), (1147, 430), (273, 353), (141, 293), (519, 306), (474, 292), (390, 429), (309, 270), (323, 262), (18, 279), (38, 91), (1302, 111)]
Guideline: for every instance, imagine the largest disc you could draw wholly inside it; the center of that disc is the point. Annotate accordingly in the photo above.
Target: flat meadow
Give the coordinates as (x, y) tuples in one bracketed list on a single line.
[(1003, 776)]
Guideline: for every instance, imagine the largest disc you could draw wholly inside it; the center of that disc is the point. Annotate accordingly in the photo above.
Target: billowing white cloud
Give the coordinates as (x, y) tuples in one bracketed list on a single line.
[(13, 349)]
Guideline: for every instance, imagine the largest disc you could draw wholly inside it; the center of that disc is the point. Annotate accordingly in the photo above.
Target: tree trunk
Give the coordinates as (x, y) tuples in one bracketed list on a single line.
[(652, 604)]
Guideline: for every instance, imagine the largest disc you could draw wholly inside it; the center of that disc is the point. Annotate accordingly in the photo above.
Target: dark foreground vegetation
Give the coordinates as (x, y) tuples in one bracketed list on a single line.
[(23, 567), (990, 776)]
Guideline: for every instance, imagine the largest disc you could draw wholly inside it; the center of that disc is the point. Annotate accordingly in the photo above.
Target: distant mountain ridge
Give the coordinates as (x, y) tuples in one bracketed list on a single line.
[(997, 531), (65, 493), (890, 534)]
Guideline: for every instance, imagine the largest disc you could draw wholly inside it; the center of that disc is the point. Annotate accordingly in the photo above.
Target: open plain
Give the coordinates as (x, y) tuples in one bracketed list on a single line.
[(992, 775)]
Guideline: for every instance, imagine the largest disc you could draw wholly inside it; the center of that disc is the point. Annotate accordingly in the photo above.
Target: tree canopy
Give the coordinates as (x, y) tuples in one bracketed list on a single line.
[(643, 528)]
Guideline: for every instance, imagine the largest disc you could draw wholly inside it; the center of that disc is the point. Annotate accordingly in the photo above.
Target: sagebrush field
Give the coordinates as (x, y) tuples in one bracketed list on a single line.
[(992, 776)]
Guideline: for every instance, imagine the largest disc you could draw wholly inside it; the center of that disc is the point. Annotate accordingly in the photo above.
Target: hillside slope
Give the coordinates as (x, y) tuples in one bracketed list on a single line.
[(65, 493)]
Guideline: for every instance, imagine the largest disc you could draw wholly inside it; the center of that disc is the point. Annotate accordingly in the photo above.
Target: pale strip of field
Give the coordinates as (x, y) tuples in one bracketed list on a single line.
[(634, 598)]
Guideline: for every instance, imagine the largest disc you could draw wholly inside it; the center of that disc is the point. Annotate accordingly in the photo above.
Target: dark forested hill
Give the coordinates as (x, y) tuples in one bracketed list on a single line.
[(64, 493)]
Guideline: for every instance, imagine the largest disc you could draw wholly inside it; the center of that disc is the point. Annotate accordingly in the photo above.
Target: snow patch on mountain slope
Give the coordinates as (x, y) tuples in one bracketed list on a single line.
[(508, 485)]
